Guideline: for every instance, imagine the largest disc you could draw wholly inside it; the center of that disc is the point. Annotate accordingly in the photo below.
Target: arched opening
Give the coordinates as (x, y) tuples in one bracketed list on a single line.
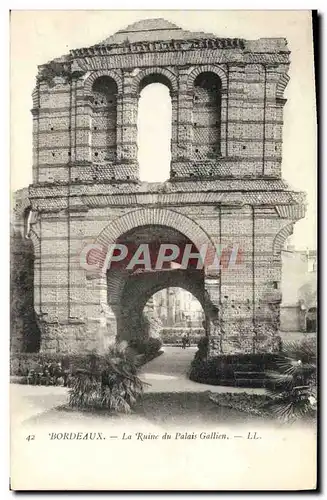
[(154, 129), (177, 315), (104, 120), (206, 116), (130, 284), (25, 334)]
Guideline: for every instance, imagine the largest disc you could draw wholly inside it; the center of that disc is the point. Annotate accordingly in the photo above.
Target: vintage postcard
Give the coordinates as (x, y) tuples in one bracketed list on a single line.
[(163, 251)]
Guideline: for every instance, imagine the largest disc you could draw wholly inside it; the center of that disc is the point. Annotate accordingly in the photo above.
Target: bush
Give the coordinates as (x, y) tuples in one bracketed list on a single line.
[(109, 382), (255, 404), (292, 394), (149, 348), (294, 382), (39, 368), (225, 369), (22, 363), (49, 373), (44, 369), (174, 335)]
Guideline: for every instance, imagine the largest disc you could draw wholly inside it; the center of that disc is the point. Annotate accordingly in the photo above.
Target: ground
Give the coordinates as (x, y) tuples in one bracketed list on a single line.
[(170, 397), (171, 405)]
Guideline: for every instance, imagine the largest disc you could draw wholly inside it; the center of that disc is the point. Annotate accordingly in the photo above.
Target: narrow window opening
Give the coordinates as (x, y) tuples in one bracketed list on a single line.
[(154, 132), (207, 92)]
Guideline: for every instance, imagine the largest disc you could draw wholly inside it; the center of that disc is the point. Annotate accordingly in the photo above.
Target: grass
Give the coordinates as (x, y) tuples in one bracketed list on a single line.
[(171, 408)]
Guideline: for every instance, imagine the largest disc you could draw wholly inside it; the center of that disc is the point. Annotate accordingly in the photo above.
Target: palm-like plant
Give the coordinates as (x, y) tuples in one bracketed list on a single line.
[(108, 382), (293, 386)]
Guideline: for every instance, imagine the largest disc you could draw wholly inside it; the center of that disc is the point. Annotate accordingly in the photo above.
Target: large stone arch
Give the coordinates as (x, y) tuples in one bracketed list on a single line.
[(210, 68), (185, 282), (118, 281), (155, 71), (153, 216)]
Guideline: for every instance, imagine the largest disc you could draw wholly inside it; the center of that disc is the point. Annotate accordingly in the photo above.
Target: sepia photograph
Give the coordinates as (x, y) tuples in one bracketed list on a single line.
[(163, 250)]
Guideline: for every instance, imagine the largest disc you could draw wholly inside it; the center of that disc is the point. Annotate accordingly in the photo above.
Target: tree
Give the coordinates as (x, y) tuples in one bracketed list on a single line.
[(108, 382)]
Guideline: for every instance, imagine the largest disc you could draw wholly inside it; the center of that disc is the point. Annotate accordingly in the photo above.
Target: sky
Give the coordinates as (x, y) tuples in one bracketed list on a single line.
[(39, 36)]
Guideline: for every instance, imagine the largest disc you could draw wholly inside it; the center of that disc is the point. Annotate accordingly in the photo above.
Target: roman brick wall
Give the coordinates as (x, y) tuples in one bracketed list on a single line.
[(225, 186), (66, 292), (243, 134)]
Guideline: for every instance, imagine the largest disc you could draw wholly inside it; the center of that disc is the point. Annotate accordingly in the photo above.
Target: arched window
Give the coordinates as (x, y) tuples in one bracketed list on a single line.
[(206, 116), (104, 120), (154, 129)]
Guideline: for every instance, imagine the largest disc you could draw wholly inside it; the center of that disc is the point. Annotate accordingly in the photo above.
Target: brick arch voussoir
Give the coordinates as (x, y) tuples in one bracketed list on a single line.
[(204, 69), (141, 291), (281, 237), (157, 216), (35, 97), (115, 287), (152, 71), (88, 84), (281, 85), (36, 242)]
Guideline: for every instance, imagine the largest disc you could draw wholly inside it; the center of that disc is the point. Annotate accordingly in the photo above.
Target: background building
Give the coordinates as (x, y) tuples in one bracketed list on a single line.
[(299, 290), (178, 307)]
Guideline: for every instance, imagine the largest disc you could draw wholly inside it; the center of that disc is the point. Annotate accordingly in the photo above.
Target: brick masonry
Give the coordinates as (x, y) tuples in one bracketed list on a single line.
[(225, 183)]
